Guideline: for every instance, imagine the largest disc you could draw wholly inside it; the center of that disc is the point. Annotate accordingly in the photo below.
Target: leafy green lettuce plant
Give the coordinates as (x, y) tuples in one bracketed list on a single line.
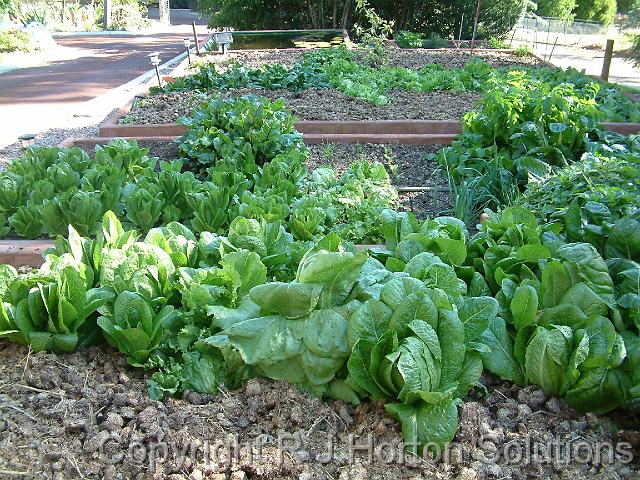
[(52, 313), (135, 327)]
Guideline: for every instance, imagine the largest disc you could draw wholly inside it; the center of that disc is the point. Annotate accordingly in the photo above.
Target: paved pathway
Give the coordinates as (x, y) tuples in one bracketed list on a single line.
[(38, 98), (590, 60)]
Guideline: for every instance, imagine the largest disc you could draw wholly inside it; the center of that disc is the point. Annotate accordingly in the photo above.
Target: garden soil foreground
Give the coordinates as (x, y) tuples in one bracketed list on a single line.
[(88, 415)]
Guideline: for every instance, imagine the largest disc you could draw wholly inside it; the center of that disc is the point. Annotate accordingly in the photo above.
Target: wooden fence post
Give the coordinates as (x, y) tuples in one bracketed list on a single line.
[(606, 65)]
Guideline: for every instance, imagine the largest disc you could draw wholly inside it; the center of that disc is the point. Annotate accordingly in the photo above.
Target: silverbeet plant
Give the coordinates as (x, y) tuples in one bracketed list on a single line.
[(247, 130)]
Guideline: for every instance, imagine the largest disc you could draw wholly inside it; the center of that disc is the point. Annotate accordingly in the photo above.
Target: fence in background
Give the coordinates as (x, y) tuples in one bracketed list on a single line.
[(538, 32)]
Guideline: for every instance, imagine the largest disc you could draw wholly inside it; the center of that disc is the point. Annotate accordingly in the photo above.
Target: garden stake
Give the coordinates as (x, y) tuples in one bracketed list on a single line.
[(552, 49), (606, 65), (195, 37), (475, 27), (460, 32)]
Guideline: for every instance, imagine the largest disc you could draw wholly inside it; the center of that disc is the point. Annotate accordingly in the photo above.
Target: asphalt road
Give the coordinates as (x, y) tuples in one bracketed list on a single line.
[(39, 98), (106, 63)]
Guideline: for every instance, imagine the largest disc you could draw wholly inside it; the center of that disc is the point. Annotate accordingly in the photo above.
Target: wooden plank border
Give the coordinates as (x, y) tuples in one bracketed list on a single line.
[(347, 131)]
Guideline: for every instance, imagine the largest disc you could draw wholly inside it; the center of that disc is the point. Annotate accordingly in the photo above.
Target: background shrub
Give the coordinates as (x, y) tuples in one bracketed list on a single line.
[(15, 40), (440, 17), (603, 11), (556, 8)]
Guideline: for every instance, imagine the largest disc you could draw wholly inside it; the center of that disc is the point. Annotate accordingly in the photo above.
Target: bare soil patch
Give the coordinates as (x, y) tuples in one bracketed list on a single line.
[(317, 104), (87, 415)]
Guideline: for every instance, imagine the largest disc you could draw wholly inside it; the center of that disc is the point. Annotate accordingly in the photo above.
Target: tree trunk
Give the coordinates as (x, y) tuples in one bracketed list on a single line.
[(312, 13), (321, 13), (334, 24), (345, 13)]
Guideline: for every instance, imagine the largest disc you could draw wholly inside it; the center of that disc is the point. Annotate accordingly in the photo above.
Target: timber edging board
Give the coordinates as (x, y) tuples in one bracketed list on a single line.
[(347, 131)]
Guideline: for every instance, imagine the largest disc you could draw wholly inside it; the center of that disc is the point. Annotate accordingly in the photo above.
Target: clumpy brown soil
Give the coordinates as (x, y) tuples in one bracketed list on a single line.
[(318, 104), (398, 57), (426, 204), (406, 165), (87, 415)]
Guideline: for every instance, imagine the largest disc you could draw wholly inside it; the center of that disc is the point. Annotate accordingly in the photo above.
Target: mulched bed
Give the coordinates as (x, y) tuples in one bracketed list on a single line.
[(406, 165), (88, 415), (319, 104), (398, 57), (457, 59)]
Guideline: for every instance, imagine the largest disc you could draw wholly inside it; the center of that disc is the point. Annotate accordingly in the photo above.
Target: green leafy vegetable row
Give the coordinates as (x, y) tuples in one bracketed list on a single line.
[(523, 133), (338, 68), (412, 324), (242, 157)]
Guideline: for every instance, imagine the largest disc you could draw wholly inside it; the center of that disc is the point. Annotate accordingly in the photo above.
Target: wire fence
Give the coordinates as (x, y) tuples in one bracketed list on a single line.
[(538, 32)]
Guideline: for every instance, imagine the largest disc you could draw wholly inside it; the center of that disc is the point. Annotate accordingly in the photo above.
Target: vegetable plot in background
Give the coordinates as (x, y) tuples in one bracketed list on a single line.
[(339, 68)]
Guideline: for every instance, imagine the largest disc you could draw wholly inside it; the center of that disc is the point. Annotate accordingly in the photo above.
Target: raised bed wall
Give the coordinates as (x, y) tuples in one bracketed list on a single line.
[(414, 132)]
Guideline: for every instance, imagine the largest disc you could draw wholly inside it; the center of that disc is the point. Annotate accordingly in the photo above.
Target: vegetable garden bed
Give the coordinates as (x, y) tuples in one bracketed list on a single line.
[(408, 58), (139, 119), (64, 407), (422, 190), (239, 263), (337, 85)]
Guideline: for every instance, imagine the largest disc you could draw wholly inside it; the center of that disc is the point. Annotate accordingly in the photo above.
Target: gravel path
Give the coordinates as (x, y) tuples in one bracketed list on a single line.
[(50, 138), (319, 104)]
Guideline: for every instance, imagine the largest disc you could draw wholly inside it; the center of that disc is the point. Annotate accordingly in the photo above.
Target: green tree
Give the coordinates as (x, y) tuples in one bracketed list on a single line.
[(275, 14), (625, 6), (446, 18), (556, 8), (6, 6), (450, 18), (603, 11), (633, 23)]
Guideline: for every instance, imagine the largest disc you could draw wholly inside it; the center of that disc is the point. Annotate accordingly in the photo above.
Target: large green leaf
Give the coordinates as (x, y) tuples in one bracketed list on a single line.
[(555, 283), (476, 313), (524, 306), (501, 361), (624, 240), (337, 272), (251, 270), (397, 289), (547, 357), (369, 322), (584, 298), (292, 300), (426, 425), (417, 306)]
